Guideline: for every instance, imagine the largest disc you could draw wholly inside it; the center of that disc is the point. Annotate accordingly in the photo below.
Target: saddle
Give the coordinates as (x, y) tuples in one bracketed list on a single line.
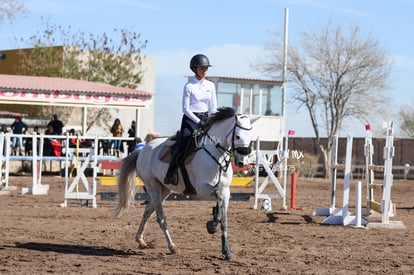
[(169, 149)]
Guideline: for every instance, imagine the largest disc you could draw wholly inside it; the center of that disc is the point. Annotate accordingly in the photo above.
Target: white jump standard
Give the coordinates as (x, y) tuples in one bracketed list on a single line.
[(341, 216), (264, 158), (385, 207)]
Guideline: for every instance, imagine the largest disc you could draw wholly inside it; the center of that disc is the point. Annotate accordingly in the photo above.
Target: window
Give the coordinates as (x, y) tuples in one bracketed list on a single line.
[(251, 97)]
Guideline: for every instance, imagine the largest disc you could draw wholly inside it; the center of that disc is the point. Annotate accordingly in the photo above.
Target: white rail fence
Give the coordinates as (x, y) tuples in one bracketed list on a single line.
[(74, 159)]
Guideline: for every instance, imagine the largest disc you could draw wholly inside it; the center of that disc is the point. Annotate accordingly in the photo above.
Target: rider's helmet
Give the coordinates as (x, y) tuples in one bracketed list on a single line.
[(199, 60)]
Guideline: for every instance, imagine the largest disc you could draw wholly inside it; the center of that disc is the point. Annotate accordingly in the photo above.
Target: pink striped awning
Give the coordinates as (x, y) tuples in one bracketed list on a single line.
[(68, 92)]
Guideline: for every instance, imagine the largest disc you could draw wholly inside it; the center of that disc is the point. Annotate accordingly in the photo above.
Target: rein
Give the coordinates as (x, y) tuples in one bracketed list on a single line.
[(224, 152)]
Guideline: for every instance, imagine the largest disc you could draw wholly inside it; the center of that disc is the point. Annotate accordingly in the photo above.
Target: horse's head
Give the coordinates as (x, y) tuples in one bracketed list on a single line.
[(241, 139), (236, 139)]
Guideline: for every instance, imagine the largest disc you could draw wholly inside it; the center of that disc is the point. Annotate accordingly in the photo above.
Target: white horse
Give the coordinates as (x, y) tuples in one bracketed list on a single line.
[(208, 172)]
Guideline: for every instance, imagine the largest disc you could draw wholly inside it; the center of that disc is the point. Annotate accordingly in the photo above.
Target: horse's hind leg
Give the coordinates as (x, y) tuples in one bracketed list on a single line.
[(162, 221), (139, 237), (155, 204)]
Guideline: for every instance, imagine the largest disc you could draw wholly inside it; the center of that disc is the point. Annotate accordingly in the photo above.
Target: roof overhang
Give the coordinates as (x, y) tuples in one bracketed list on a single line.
[(18, 89)]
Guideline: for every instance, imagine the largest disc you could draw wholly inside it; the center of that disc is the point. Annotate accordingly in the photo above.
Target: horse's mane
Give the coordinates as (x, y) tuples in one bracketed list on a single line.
[(221, 114)]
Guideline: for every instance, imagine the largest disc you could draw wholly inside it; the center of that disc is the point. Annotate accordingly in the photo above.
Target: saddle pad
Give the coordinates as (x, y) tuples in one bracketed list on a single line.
[(165, 153)]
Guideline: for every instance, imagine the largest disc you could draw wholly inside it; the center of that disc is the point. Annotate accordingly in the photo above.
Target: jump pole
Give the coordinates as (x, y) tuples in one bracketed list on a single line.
[(293, 181), (358, 207), (293, 191), (332, 190)]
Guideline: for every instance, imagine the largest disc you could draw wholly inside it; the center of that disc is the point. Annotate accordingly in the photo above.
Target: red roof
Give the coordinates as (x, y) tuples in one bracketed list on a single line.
[(53, 84)]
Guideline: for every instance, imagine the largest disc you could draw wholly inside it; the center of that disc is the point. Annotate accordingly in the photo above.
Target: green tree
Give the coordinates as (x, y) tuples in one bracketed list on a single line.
[(114, 59), (334, 74)]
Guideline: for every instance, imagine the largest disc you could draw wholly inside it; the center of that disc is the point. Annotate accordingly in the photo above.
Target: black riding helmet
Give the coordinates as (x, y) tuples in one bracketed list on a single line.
[(199, 60)]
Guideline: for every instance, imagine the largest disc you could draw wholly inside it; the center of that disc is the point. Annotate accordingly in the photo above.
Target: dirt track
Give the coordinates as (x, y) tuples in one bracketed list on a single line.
[(37, 236)]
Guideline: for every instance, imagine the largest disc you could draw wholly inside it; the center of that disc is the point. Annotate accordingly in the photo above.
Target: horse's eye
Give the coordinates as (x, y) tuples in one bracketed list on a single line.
[(237, 137)]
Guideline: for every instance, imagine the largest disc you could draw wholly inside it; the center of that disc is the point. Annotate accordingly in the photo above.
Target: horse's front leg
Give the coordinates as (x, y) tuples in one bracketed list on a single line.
[(228, 255), (212, 225), (223, 203)]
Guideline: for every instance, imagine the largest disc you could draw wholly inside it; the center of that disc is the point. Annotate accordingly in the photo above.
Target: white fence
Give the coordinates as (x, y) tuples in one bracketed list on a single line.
[(71, 155)]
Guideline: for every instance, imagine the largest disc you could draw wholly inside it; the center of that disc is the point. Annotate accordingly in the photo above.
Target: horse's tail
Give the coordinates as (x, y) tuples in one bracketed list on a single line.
[(126, 183)]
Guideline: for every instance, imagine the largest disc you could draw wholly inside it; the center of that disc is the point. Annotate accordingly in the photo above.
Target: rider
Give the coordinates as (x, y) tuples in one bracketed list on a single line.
[(199, 99)]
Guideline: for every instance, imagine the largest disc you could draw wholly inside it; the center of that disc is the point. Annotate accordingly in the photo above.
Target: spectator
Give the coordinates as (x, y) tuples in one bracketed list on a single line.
[(138, 144), (4, 129), (131, 134), (47, 143), (74, 139), (56, 124), (28, 145), (117, 130), (18, 127)]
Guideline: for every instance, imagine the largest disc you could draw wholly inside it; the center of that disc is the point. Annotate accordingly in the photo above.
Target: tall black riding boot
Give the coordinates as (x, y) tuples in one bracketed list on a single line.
[(172, 173)]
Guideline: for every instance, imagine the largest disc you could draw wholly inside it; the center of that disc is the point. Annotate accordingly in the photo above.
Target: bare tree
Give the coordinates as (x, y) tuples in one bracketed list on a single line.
[(334, 75), (10, 8), (113, 59), (406, 117)]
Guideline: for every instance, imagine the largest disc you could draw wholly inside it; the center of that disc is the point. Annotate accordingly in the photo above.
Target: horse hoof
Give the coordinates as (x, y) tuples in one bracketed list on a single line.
[(173, 250), (229, 256), (142, 244), (211, 227)]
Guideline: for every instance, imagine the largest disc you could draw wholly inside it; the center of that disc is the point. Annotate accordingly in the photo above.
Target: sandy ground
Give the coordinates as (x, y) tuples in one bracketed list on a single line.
[(37, 236)]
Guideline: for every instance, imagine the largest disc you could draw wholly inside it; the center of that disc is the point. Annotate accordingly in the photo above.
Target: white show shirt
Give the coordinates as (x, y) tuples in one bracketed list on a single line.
[(198, 97)]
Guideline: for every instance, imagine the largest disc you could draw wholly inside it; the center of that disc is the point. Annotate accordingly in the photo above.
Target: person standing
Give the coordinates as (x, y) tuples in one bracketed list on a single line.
[(131, 134), (117, 131), (56, 124), (18, 127), (199, 99), (28, 144)]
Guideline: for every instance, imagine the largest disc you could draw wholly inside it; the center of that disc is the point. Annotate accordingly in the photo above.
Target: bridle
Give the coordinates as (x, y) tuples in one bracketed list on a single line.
[(225, 153), (240, 150)]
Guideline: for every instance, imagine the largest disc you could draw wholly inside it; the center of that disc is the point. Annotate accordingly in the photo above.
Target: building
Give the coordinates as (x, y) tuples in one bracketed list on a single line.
[(145, 117), (262, 100)]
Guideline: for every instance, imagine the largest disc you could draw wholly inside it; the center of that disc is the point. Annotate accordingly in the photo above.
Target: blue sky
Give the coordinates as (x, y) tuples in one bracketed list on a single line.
[(231, 33)]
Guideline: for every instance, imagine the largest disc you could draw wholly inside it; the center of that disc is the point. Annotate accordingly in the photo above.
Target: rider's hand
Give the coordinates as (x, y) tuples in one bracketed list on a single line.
[(202, 124)]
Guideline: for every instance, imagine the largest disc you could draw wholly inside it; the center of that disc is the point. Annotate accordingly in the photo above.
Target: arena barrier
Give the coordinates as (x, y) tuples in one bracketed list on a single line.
[(75, 162), (265, 158), (113, 166), (6, 156)]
